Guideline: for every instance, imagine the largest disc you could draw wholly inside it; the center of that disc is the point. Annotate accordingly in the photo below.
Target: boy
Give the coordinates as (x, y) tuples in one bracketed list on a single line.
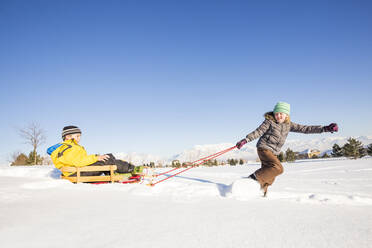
[(70, 153)]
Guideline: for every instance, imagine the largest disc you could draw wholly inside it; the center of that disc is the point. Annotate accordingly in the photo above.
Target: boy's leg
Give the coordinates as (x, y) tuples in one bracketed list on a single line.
[(123, 166), (88, 174), (270, 168)]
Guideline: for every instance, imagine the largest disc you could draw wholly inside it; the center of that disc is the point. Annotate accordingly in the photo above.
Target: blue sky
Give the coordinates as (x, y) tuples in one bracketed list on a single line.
[(161, 76)]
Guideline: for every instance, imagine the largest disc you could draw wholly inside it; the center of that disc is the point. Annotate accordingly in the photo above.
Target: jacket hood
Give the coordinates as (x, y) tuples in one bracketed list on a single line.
[(271, 116)]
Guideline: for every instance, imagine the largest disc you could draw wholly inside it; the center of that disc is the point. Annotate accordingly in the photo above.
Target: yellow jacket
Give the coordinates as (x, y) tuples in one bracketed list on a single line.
[(71, 153)]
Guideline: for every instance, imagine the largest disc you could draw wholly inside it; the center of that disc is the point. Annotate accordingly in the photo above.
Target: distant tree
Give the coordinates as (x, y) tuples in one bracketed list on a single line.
[(33, 135), (176, 163), (281, 157), (353, 148), (21, 159), (337, 151), (369, 149), (232, 161), (325, 155), (47, 160), (362, 152), (208, 163), (185, 164), (34, 158), (241, 161), (290, 156)]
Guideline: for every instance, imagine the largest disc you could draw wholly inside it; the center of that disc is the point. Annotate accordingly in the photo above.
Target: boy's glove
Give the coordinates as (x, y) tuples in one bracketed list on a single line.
[(241, 143), (103, 157), (331, 128)]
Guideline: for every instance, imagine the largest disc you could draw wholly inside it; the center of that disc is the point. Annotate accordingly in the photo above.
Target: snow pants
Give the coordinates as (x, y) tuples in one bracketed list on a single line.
[(270, 168), (123, 167)]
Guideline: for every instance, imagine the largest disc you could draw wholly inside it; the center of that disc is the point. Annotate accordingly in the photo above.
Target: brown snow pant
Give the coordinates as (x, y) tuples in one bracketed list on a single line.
[(270, 168)]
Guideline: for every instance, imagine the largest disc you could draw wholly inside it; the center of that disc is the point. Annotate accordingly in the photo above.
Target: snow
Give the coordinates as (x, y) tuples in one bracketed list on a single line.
[(244, 189), (315, 203)]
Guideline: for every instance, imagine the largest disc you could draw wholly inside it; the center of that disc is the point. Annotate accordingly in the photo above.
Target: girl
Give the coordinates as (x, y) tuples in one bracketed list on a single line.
[(273, 133)]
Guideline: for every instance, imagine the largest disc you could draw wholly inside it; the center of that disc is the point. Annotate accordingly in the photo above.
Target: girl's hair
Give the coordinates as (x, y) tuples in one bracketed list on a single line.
[(287, 119)]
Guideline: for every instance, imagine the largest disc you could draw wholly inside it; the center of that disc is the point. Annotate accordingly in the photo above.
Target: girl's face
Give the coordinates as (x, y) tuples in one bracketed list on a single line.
[(280, 117)]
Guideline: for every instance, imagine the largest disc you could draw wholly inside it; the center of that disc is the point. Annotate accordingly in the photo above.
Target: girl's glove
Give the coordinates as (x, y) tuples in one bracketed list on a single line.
[(331, 128), (241, 143)]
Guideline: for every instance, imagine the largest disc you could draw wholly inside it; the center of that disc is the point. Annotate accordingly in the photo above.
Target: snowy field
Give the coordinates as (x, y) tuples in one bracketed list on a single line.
[(315, 203)]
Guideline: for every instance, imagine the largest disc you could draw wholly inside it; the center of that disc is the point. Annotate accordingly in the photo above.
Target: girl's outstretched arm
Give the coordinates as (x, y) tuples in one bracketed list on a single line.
[(298, 128)]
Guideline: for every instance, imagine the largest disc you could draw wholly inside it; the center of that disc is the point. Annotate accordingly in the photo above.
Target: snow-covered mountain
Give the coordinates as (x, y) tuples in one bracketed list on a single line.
[(323, 144), (248, 152), (140, 158)]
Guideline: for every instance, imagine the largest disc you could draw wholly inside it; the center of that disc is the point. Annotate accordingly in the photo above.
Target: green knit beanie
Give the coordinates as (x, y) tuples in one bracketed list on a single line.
[(282, 107)]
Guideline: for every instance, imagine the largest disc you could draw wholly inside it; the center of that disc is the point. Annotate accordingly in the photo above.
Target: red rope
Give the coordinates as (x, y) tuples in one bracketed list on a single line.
[(196, 163), (202, 159)]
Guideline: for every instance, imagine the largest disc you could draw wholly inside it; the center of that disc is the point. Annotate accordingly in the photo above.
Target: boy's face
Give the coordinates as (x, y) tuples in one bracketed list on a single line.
[(75, 136), (280, 117)]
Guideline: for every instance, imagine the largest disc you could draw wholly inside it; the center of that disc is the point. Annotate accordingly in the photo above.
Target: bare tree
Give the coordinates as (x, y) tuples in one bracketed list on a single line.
[(34, 135)]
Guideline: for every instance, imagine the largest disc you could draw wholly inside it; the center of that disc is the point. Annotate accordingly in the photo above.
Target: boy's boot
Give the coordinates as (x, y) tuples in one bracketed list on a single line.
[(137, 170)]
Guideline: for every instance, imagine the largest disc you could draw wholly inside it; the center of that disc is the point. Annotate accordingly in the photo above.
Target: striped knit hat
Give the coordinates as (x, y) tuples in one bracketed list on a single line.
[(70, 130), (282, 107)]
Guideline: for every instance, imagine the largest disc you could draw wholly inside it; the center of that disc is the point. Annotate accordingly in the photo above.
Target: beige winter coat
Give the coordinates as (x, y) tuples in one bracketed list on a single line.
[(273, 134)]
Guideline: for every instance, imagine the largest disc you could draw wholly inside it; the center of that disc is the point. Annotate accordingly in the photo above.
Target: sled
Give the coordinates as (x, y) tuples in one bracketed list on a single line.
[(92, 179)]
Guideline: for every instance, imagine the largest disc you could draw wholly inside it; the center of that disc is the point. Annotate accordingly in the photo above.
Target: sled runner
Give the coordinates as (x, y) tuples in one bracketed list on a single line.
[(127, 179)]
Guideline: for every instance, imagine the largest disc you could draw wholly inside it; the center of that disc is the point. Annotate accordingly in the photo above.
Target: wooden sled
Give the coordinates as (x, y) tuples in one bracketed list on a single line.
[(85, 179)]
